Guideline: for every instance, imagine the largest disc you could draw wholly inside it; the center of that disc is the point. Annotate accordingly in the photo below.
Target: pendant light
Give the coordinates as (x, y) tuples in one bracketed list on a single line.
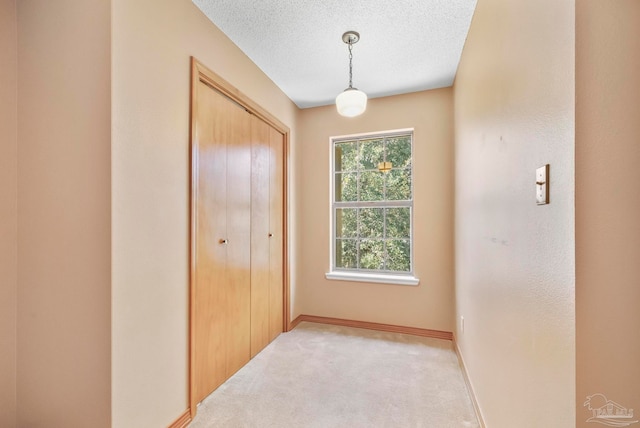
[(352, 102), (385, 167)]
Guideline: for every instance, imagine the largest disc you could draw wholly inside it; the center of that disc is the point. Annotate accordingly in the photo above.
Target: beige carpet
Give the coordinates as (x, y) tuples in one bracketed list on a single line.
[(323, 376)]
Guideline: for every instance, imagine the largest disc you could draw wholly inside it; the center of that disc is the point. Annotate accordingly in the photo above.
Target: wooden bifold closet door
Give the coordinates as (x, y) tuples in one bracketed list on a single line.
[(237, 260), (266, 234)]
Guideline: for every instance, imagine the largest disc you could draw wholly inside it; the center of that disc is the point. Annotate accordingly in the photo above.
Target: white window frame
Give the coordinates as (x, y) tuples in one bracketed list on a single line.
[(398, 278)]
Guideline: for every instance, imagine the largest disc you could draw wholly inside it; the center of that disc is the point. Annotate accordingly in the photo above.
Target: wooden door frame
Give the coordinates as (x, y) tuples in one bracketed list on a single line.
[(200, 73)]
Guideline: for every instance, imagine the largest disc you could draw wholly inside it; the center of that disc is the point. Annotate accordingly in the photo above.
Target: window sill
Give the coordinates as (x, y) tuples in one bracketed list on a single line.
[(371, 277)]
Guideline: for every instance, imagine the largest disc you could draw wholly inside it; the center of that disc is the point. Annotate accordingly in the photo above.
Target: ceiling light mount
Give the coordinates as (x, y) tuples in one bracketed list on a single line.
[(351, 37), (352, 102)]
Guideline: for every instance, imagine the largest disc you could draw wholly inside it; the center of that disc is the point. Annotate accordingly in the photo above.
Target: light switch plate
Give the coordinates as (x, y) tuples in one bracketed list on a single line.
[(542, 185)]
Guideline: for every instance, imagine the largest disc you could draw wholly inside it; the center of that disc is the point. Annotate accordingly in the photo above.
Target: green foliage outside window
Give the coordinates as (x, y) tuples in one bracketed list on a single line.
[(372, 209)]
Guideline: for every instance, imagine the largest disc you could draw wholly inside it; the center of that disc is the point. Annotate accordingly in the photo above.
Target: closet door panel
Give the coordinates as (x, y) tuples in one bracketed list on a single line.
[(210, 256), (237, 247), (238, 244), (276, 242), (260, 265)]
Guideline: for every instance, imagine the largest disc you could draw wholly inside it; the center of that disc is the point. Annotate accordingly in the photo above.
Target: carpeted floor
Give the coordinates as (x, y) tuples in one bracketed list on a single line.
[(324, 376)]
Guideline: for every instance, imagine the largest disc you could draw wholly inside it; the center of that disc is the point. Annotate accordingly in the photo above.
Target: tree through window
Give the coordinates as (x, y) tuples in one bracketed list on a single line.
[(372, 203)]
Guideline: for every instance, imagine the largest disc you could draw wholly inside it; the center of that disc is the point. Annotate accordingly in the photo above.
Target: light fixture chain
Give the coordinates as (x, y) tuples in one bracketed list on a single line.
[(350, 66)]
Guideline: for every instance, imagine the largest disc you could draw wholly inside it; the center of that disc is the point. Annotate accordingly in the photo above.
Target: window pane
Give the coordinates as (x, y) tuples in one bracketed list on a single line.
[(398, 255), (371, 186), (399, 151), (371, 222), (398, 222), (398, 184), (346, 223), (346, 155), (346, 253), (370, 233), (371, 153), (346, 186), (372, 254)]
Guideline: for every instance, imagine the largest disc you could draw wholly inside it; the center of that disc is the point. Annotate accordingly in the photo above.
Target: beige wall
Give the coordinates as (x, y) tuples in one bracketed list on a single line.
[(607, 203), (514, 112), (152, 44), (64, 213), (428, 305), (8, 211)]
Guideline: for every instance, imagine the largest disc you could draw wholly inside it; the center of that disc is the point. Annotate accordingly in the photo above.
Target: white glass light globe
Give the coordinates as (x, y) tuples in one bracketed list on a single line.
[(351, 102)]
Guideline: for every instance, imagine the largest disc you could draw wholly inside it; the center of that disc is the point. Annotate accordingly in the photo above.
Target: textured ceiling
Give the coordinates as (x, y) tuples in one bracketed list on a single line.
[(405, 45)]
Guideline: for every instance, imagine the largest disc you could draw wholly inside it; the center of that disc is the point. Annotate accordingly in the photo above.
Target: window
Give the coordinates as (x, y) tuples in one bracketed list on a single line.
[(372, 203)]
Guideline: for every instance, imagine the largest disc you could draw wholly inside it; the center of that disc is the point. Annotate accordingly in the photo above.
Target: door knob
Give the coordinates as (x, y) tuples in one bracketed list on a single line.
[(223, 241)]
